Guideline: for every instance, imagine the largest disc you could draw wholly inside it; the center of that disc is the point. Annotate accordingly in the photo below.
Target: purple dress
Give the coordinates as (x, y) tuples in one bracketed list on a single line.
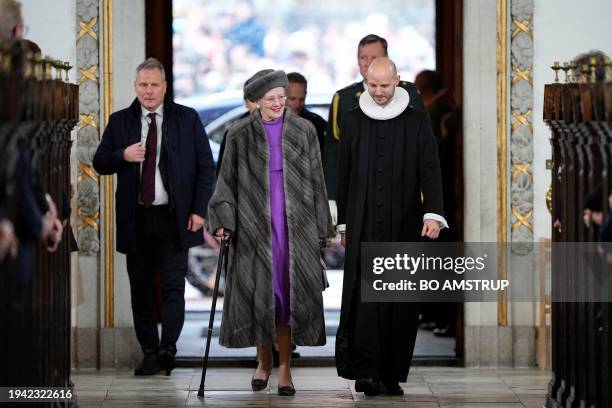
[(280, 243)]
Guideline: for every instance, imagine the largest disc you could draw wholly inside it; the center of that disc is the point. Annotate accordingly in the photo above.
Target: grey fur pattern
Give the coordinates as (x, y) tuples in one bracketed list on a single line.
[(241, 204)]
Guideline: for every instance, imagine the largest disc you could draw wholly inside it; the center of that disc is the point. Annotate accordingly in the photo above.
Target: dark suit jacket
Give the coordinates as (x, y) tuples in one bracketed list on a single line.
[(318, 122), (186, 166)]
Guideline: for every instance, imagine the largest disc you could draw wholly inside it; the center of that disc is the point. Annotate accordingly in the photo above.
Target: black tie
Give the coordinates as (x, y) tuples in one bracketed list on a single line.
[(147, 178)]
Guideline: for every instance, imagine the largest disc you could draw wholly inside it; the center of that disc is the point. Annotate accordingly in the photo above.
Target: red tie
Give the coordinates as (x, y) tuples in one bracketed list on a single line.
[(147, 178)]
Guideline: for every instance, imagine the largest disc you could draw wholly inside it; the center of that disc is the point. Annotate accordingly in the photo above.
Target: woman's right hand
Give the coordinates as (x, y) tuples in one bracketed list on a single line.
[(343, 239)]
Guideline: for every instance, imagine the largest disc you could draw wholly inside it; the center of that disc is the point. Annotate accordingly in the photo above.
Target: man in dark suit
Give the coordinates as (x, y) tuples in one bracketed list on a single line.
[(296, 100), (165, 174), (370, 47)]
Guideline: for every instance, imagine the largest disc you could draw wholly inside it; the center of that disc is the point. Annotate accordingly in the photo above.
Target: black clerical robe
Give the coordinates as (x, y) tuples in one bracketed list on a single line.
[(383, 167)]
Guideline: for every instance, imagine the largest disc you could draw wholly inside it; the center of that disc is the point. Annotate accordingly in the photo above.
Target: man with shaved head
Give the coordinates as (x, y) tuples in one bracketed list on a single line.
[(369, 48), (389, 190)]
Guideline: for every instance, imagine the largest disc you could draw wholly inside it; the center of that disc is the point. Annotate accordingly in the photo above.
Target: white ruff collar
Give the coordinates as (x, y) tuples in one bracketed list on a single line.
[(397, 105)]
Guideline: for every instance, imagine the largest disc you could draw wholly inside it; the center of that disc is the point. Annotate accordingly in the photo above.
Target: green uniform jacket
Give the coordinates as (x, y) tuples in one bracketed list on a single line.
[(344, 100)]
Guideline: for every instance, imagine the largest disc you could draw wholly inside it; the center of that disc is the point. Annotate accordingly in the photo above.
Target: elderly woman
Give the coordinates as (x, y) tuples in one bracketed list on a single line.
[(271, 200)]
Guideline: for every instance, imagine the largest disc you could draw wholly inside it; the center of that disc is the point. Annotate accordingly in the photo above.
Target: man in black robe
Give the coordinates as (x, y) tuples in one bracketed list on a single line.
[(389, 190), (369, 48)]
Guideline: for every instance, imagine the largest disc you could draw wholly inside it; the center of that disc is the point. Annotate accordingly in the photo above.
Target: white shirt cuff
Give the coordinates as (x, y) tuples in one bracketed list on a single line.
[(333, 211), (428, 216), (439, 218)]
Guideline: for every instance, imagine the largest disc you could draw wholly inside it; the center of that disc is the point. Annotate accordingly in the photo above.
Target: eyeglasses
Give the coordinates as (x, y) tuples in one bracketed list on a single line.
[(271, 99)]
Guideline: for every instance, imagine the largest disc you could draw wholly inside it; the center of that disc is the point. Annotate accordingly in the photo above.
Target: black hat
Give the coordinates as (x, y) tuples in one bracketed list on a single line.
[(260, 83)]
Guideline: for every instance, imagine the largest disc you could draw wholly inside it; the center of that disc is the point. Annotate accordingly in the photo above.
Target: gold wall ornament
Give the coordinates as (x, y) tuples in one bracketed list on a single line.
[(86, 172), (109, 202), (501, 118), (522, 219), (91, 221), (522, 75), (521, 119), (502, 141), (88, 120), (522, 168), (88, 29), (88, 74), (549, 199), (522, 68), (522, 26)]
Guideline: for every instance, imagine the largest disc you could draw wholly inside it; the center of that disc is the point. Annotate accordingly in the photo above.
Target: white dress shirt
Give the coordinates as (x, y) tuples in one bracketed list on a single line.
[(161, 195)]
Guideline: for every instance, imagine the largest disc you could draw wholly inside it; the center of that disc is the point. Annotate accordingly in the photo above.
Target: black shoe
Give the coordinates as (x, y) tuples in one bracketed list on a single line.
[(369, 386), (393, 388), (166, 362), (148, 365), (286, 390), (257, 384)]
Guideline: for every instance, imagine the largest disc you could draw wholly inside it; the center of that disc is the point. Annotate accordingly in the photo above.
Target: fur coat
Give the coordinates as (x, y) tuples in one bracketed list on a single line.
[(241, 204)]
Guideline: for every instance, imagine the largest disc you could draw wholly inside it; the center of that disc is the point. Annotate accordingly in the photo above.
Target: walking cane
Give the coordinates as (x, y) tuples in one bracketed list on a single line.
[(220, 264)]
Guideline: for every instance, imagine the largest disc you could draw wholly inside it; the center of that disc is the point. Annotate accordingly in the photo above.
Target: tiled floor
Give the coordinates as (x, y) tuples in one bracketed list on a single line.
[(316, 387)]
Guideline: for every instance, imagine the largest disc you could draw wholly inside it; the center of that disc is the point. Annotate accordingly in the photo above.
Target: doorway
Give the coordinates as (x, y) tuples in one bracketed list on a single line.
[(210, 48)]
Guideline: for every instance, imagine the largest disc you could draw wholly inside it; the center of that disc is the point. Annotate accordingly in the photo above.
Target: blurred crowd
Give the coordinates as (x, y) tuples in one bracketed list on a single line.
[(219, 46)]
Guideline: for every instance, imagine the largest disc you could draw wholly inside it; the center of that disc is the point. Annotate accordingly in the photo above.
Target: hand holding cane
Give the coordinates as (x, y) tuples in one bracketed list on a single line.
[(222, 263)]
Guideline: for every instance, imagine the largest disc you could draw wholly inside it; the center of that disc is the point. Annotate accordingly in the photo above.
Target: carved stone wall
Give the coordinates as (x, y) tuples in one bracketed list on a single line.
[(521, 102), (88, 131)]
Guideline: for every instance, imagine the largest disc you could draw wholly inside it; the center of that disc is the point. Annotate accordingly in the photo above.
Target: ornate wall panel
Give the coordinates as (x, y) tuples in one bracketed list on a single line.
[(521, 133), (88, 130)]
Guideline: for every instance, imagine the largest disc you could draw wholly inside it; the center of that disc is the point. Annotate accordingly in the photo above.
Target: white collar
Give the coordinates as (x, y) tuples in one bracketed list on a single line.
[(397, 105), (159, 111)]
